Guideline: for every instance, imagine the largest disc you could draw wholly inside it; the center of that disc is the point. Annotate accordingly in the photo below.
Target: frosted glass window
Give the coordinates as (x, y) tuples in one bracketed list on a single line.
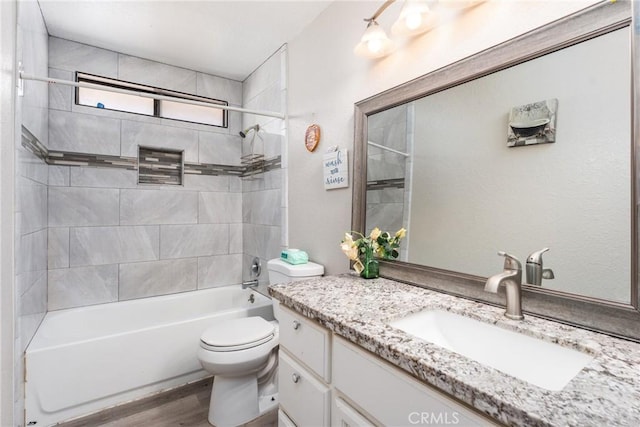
[(191, 113), (115, 101), (132, 103)]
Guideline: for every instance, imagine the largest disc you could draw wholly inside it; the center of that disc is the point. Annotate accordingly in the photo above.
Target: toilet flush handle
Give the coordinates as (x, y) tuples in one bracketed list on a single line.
[(296, 325), (295, 377)]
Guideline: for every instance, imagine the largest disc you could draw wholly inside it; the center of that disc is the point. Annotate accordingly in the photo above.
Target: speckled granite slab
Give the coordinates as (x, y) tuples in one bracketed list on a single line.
[(605, 393)]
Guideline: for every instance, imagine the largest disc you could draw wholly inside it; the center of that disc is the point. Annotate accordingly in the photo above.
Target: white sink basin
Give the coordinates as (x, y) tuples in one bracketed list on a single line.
[(535, 361)]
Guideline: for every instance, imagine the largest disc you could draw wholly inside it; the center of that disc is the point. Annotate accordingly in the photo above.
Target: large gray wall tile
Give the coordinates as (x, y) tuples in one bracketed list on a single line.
[(111, 245), (235, 238), (262, 207), (74, 206), (158, 136), (220, 149), (83, 133), (218, 207), (183, 241), (59, 176), (58, 247), (138, 70), (28, 165), (61, 97), (220, 88), (72, 56), (73, 287), (206, 182), (219, 270), (33, 306), (103, 177), (31, 202), (146, 279), (31, 251), (261, 240), (267, 74), (158, 207)]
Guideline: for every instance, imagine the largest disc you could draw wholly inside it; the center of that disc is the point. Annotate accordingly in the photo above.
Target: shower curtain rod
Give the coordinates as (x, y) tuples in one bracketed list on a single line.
[(388, 149), (51, 80)]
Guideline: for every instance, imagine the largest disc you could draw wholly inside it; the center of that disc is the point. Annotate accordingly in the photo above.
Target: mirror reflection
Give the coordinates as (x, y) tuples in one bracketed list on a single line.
[(444, 168)]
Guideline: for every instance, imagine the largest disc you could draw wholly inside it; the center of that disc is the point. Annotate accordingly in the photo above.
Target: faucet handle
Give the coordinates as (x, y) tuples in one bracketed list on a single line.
[(510, 261), (536, 257)]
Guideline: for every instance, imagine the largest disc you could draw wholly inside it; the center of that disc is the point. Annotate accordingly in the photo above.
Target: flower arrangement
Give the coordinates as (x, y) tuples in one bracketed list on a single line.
[(363, 249)]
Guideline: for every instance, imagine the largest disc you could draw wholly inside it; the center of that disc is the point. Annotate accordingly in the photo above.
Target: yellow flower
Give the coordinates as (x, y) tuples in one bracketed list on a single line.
[(375, 233), (348, 239), (350, 251), (401, 233)]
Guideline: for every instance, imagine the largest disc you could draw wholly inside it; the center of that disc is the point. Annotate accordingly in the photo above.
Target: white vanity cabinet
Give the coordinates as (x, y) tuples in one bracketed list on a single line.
[(325, 380), (303, 371)]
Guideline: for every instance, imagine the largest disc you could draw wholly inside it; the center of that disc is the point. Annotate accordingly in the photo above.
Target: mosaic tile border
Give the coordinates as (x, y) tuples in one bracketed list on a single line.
[(32, 144), (385, 183), (67, 158)]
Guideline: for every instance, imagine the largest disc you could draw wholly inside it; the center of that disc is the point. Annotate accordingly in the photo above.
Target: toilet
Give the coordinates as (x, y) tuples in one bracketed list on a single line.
[(242, 354)]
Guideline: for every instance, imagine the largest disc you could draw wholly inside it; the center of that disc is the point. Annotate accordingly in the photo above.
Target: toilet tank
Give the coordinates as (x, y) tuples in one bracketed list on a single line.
[(283, 272)]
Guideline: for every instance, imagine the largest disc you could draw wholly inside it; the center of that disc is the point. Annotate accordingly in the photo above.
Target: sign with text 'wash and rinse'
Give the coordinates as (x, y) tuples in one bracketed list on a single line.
[(336, 170)]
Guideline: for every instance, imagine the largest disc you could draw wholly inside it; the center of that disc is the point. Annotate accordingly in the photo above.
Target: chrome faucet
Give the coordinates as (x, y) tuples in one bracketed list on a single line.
[(535, 271), (511, 277)]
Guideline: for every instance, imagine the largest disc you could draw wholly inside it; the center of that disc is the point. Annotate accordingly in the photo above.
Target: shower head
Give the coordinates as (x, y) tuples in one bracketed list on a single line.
[(244, 133)]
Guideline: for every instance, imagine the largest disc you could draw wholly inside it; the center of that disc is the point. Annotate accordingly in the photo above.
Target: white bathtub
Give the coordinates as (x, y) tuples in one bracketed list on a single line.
[(82, 360)]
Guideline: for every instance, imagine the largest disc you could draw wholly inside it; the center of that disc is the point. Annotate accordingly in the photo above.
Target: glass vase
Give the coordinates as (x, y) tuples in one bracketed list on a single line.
[(371, 268)]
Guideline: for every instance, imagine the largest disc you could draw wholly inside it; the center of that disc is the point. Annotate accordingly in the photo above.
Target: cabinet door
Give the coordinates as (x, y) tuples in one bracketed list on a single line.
[(306, 341), (343, 415), (283, 420), (392, 396), (302, 396)]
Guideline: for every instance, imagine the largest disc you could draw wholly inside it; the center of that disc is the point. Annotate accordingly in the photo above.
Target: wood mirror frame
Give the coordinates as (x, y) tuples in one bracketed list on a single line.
[(622, 320)]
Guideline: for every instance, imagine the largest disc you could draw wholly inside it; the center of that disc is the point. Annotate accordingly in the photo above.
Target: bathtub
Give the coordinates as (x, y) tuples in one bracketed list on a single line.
[(82, 360)]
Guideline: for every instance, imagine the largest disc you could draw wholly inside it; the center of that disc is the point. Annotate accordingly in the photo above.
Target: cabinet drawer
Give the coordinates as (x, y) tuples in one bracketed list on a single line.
[(343, 415), (392, 396), (304, 398), (305, 340)]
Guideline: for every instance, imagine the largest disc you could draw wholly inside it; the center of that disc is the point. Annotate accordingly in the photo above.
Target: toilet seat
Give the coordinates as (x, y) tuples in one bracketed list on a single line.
[(237, 334)]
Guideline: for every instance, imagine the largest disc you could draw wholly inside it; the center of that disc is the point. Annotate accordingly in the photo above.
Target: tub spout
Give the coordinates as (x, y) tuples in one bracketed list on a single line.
[(511, 278)]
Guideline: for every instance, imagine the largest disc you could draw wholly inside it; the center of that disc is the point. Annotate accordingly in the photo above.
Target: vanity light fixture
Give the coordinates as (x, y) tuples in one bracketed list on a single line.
[(415, 18), (374, 42)]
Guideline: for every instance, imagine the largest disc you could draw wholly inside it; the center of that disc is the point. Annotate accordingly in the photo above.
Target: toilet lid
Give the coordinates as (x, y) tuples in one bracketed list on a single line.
[(237, 334)]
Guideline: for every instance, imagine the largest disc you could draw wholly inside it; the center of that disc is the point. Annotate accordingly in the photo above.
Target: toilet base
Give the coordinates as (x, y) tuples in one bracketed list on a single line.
[(235, 401)]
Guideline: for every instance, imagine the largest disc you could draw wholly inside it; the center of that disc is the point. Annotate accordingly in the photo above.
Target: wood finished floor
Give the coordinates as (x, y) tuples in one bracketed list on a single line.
[(187, 406)]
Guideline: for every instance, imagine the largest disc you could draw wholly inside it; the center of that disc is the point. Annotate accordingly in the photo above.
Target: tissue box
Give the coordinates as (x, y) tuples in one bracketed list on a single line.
[(294, 256)]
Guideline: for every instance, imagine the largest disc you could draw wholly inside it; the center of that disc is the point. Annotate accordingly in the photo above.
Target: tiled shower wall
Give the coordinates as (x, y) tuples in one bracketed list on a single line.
[(388, 173), (30, 192), (111, 239), (264, 197)]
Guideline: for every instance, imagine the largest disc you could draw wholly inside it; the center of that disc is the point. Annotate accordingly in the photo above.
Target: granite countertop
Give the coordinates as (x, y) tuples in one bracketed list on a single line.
[(605, 393)]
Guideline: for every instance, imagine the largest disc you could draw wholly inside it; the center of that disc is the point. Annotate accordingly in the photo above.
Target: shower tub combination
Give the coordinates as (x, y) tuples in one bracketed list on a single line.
[(85, 359)]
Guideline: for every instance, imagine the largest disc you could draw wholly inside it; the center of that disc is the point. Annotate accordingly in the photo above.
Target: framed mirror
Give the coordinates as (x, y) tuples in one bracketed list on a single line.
[(527, 145)]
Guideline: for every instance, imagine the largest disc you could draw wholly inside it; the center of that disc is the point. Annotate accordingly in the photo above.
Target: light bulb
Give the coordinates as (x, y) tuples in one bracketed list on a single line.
[(374, 45), (413, 21), (415, 18), (374, 42)]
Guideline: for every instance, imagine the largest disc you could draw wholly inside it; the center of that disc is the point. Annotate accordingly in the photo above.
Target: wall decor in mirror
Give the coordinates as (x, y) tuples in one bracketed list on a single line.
[(431, 157)]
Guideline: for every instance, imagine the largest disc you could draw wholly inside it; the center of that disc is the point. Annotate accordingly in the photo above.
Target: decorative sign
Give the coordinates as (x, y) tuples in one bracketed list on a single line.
[(312, 137), (336, 170), (532, 124)]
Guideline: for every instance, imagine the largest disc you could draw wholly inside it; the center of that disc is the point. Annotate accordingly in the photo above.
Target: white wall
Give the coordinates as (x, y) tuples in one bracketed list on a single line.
[(326, 79)]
